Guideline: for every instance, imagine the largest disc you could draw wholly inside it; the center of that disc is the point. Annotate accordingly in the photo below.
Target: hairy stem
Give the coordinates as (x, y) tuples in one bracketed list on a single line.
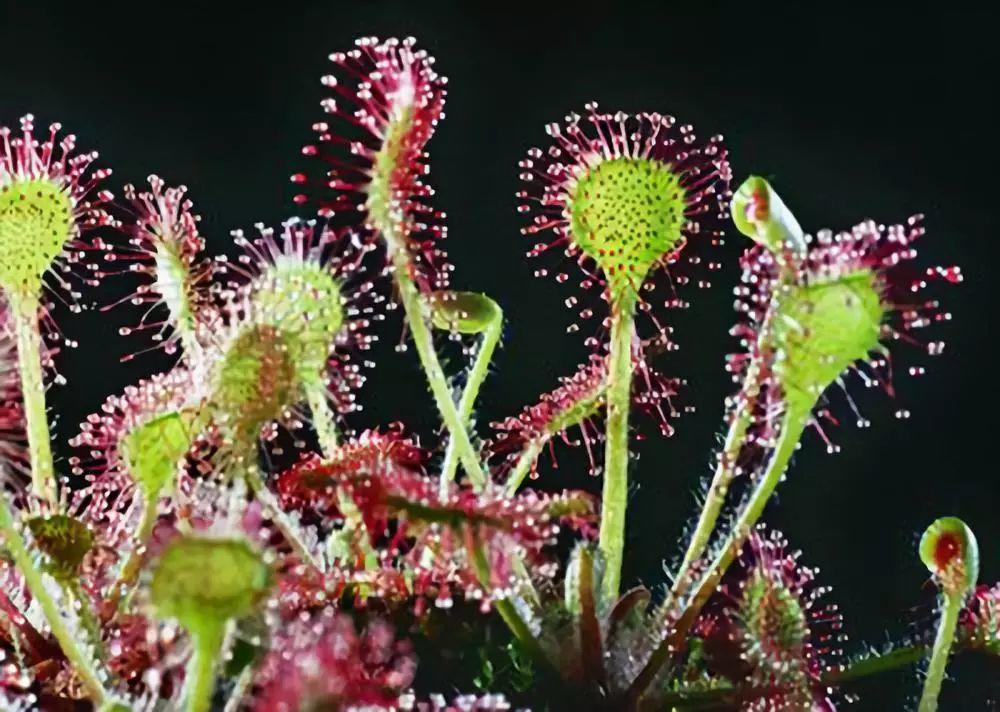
[(477, 374), (129, 574), (734, 696), (951, 607), (288, 528), (725, 470), (423, 339), (323, 420), (525, 464), (240, 689), (89, 622), (81, 661), (788, 439), (199, 675), (791, 430), (875, 664), (508, 612), (325, 426), (615, 491), (742, 417), (29, 365)]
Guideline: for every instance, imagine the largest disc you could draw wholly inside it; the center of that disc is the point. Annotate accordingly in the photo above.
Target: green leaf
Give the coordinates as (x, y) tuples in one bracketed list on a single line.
[(64, 542), (463, 312), (950, 552), (203, 582), (760, 214), (36, 220), (153, 450)]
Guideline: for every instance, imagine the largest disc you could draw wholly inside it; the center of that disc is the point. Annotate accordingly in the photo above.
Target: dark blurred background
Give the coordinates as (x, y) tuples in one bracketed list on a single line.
[(852, 112)]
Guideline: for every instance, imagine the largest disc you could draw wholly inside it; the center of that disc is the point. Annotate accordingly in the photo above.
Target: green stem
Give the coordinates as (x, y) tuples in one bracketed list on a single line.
[(717, 491), (477, 374), (90, 623), (792, 427), (69, 642), (240, 689), (788, 439), (29, 364), (323, 419), (289, 529), (199, 675), (614, 499), (742, 417), (129, 573), (951, 608), (525, 464), (416, 317), (325, 426), (508, 612), (875, 664), (732, 697)]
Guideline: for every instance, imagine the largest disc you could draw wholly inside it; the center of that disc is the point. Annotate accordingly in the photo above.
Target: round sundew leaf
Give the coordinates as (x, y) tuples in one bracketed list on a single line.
[(299, 297), (255, 379), (627, 214), (64, 542), (301, 300), (760, 214), (464, 312), (821, 329), (773, 621), (36, 219), (204, 582), (950, 552), (152, 451)]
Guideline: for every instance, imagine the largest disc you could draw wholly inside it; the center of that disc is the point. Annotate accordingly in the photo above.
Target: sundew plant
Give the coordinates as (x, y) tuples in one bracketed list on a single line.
[(222, 539)]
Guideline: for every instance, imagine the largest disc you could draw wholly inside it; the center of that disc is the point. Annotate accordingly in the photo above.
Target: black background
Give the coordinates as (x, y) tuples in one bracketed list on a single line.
[(853, 113)]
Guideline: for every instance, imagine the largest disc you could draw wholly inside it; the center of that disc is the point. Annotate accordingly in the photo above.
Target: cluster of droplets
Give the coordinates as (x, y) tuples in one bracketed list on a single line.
[(433, 534), (768, 628), (625, 195), (171, 463), (459, 703), (48, 197), (166, 248), (577, 403), (373, 145), (574, 403), (313, 481), (322, 660), (980, 622), (309, 282), (825, 308)]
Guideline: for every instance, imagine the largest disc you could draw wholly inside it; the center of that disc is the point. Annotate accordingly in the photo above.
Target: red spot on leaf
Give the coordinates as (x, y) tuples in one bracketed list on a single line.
[(947, 549)]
